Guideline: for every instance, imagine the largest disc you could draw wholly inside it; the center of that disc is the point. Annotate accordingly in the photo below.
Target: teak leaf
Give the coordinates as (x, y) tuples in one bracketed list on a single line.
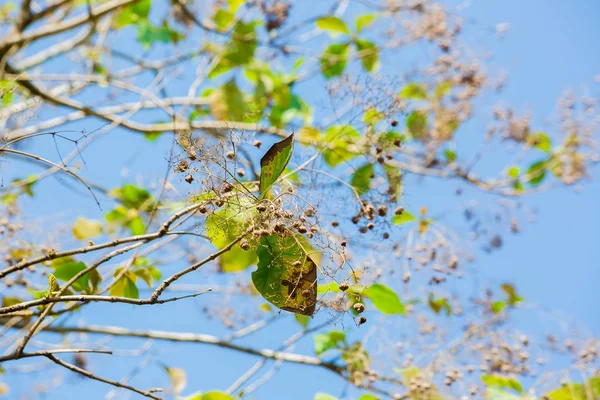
[(286, 275), (274, 162)]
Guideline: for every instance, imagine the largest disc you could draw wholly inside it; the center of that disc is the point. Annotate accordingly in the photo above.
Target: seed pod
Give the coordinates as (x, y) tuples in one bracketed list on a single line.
[(343, 286), (394, 123), (302, 229), (230, 154), (189, 179), (335, 224), (399, 211), (245, 245), (241, 172), (257, 144), (359, 307), (362, 320)]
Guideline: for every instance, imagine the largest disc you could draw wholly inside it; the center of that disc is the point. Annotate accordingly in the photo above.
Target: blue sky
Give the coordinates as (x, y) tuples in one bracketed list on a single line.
[(551, 46)]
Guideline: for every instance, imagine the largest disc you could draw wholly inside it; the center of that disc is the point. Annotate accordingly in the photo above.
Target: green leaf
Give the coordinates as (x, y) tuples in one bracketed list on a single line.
[(225, 226), (131, 289), (416, 123), (498, 306), (403, 218), (438, 304), (327, 341), (125, 286), (67, 271), (361, 179), (148, 34), (339, 138), (223, 19), (9, 198), (514, 172), (450, 155), (152, 136), (368, 396), (495, 393), (333, 25), (84, 228), (537, 172), (385, 299), (541, 141), (369, 54), (324, 396), (234, 5), (333, 60), (373, 116), (132, 196), (415, 91), (363, 21), (394, 177), (443, 89), (303, 320), (502, 382), (239, 51), (133, 14), (287, 275), (571, 391), (136, 226), (216, 396), (273, 163)]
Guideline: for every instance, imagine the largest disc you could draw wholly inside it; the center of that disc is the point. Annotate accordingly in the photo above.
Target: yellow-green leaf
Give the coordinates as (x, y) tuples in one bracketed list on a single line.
[(84, 228), (502, 382), (287, 274), (364, 20), (361, 179), (274, 162), (333, 25), (385, 299)]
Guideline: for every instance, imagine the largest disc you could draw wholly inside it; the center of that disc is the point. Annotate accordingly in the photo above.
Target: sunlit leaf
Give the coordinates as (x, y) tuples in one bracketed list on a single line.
[(133, 14), (361, 178), (132, 196), (414, 91), (333, 60), (364, 20), (67, 271), (416, 123), (333, 25), (385, 299), (450, 155), (403, 218), (541, 141), (443, 89), (327, 341), (324, 396), (287, 274), (369, 54), (216, 396), (537, 172), (274, 162), (225, 226), (394, 177), (502, 382), (339, 139), (84, 228), (303, 320)]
